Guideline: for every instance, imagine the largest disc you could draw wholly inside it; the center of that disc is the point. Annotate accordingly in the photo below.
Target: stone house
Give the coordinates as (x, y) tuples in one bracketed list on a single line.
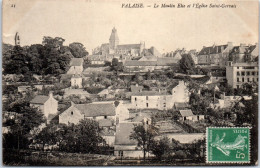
[(239, 73), (161, 100), (47, 104), (216, 55), (188, 115), (101, 112)]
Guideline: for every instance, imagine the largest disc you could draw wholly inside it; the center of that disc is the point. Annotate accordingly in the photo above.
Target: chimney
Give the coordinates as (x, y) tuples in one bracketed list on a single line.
[(50, 94)]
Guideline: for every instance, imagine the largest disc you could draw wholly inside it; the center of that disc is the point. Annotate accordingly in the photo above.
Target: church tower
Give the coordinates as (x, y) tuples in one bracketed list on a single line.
[(113, 40), (17, 39)]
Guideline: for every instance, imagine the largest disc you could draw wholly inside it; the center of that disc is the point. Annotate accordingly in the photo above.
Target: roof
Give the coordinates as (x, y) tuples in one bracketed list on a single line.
[(105, 123), (251, 48), (185, 113), (129, 46), (93, 110), (213, 50), (181, 105), (245, 64), (150, 93), (39, 99), (69, 91), (136, 88), (76, 62), (123, 132)]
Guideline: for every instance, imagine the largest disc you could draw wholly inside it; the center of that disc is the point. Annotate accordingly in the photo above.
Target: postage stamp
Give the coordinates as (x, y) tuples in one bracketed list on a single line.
[(228, 145)]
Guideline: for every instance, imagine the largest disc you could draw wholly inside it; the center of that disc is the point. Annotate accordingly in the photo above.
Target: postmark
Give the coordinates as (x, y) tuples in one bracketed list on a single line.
[(228, 145)]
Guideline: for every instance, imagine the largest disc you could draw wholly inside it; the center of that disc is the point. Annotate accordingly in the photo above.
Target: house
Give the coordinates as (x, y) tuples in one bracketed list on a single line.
[(124, 146), (160, 99), (76, 81), (102, 112), (24, 89), (47, 104), (76, 66), (216, 55), (183, 138), (188, 115), (244, 53), (239, 73)]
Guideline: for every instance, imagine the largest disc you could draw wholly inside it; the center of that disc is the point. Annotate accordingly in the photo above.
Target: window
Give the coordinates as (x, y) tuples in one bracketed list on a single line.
[(247, 73), (253, 79), (248, 80), (243, 73), (238, 74), (237, 86), (135, 99), (146, 104), (71, 113), (237, 79), (257, 79), (243, 80), (253, 73), (237, 67), (105, 117)]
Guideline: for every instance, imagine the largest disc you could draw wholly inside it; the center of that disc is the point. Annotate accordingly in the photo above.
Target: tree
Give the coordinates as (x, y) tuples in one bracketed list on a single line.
[(78, 50), (47, 135), (161, 147), (26, 120), (187, 64), (144, 135), (83, 137)]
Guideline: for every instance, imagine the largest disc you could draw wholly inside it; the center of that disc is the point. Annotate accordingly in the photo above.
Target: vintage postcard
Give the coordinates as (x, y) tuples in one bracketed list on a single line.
[(130, 83)]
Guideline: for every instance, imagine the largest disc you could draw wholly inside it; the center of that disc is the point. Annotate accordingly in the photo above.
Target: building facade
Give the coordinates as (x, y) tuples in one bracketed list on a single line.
[(239, 73), (216, 55)]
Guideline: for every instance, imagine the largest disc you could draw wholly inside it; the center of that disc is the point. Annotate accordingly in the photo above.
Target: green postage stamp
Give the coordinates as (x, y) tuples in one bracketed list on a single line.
[(228, 145)]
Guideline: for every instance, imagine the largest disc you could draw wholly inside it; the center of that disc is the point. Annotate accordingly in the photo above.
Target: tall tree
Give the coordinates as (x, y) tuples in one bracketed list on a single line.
[(187, 64), (78, 50), (144, 135)]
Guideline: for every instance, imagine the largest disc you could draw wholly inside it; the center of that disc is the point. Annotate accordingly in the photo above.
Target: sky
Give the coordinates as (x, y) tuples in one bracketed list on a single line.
[(90, 22)]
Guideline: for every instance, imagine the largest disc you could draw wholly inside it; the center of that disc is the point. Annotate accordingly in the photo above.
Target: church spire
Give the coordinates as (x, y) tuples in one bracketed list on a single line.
[(113, 40)]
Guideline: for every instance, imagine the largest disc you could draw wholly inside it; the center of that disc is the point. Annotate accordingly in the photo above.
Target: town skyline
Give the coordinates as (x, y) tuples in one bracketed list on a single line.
[(92, 33)]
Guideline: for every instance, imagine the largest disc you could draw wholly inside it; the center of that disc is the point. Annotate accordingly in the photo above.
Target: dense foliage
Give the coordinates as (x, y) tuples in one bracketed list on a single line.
[(50, 57)]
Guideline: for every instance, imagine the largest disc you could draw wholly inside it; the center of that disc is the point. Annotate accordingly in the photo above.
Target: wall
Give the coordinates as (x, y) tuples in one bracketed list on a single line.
[(66, 117), (51, 106)]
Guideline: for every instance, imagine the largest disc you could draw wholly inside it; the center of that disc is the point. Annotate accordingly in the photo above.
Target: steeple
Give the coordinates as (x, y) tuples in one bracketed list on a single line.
[(17, 39), (113, 40)]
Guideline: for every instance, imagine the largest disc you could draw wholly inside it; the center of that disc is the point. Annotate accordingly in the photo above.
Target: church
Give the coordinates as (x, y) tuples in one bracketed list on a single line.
[(113, 47)]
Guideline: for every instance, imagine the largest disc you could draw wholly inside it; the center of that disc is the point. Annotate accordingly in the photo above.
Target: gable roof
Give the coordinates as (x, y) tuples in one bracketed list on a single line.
[(39, 99), (186, 113), (93, 110), (123, 132), (181, 105), (213, 50), (76, 62)]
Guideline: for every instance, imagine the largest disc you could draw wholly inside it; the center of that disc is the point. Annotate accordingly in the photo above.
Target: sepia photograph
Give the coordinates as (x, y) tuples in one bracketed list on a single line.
[(130, 83)]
